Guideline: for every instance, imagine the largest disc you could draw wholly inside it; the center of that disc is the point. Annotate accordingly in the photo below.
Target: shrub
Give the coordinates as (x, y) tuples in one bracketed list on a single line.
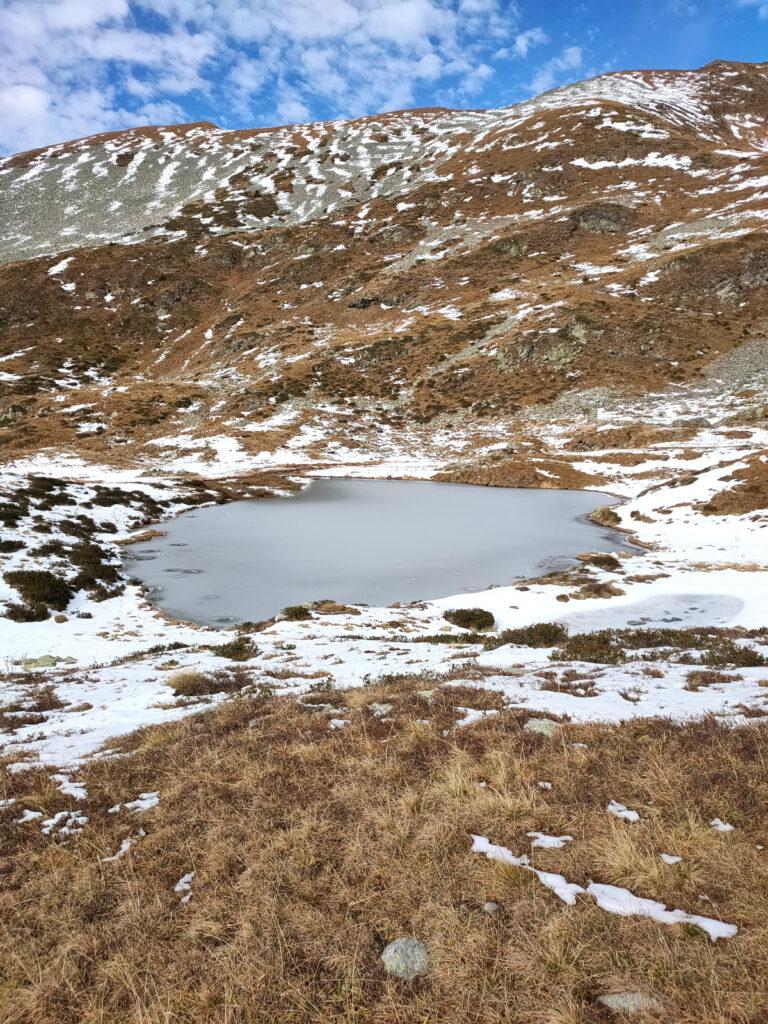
[(594, 589), (604, 516), (636, 639), (26, 612), (43, 485), (51, 547), (39, 587), (725, 652), (8, 546), (540, 634), (599, 647), (452, 639), (93, 570), (10, 513), (239, 649), (609, 562), (470, 618), (296, 612), (707, 677)]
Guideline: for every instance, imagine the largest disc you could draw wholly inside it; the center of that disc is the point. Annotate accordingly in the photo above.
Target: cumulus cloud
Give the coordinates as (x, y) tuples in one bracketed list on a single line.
[(524, 41), (72, 67), (557, 69)]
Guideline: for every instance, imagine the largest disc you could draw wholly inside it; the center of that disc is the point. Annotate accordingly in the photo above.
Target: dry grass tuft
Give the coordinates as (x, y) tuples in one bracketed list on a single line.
[(189, 683)]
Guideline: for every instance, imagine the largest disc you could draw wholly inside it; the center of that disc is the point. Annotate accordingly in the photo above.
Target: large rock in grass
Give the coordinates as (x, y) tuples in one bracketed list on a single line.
[(630, 1002), (542, 726), (405, 958)]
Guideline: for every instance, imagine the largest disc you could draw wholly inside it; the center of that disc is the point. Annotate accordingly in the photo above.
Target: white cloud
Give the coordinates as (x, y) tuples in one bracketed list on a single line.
[(524, 41), (72, 67), (474, 80), (554, 70), (409, 22), (760, 5), (290, 106)]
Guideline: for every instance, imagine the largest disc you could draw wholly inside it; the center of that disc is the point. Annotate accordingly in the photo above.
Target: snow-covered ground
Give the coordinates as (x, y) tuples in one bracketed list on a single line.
[(698, 570)]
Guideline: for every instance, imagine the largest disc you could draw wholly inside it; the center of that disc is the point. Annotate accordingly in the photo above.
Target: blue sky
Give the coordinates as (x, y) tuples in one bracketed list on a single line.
[(73, 67)]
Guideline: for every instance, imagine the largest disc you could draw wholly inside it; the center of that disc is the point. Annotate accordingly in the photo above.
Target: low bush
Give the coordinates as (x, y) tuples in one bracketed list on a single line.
[(40, 587), (8, 546), (608, 562), (600, 647), (26, 612), (176, 645), (296, 613), (707, 677), (470, 618), (452, 639), (191, 683), (94, 571), (239, 649), (636, 639), (540, 634), (51, 547), (725, 652), (10, 513), (39, 485)]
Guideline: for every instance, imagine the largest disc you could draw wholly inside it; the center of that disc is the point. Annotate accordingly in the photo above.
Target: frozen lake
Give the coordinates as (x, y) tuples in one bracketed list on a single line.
[(362, 541)]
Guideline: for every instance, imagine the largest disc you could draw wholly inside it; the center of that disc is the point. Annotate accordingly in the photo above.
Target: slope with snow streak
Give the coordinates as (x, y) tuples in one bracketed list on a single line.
[(118, 186)]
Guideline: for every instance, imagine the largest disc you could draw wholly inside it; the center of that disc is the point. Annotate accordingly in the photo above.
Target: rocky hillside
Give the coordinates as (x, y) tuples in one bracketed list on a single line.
[(319, 284)]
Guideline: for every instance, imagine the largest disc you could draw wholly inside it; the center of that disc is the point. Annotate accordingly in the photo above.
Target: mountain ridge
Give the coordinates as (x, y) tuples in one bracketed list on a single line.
[(415, 267)]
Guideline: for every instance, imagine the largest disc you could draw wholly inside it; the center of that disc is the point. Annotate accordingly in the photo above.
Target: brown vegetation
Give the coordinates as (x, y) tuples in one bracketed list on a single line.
[(312, 848)]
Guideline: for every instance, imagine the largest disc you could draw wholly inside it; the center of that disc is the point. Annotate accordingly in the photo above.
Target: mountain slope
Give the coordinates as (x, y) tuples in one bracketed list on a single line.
[(390, 270)]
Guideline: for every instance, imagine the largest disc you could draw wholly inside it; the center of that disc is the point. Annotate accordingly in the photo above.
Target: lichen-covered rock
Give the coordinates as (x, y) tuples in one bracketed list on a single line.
[(630, 1002), (543, 726), (405, 958)]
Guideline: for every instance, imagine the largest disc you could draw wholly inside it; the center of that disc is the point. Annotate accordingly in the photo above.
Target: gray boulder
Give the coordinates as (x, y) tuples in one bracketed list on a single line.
[(630, 1002), (543, 726), (405, 958)]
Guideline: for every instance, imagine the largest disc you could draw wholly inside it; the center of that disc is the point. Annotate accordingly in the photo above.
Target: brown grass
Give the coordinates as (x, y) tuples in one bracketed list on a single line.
[(313, 848)]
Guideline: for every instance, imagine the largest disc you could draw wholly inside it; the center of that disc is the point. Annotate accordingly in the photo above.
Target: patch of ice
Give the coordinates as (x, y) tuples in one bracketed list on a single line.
[(144, 802), (721, 826), (184, 885), (620, 811), (543, 841)]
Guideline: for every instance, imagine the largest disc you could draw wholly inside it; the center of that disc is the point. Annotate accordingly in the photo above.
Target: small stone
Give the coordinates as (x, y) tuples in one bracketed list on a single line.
[(543, 726), (489, 907), (630, 1002), (380, 710), (60, 618), (405, 958)]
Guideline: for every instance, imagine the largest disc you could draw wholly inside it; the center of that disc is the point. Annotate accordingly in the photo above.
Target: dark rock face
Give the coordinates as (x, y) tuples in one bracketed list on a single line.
[(604, 218)]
